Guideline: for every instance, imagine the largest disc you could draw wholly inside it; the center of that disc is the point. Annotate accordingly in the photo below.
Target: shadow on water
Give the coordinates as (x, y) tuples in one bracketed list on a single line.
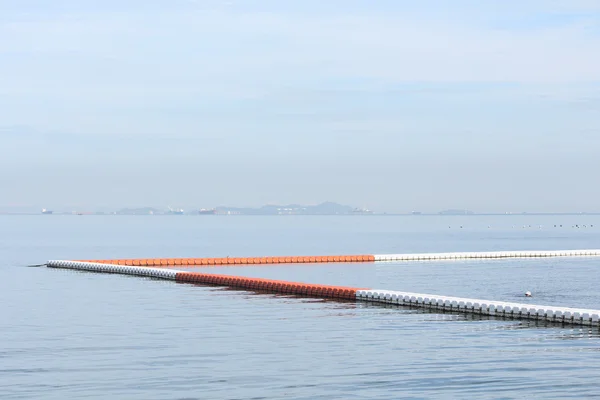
[(577, 331)]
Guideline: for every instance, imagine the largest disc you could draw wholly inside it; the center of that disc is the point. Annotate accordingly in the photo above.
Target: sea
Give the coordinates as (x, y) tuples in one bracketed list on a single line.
[(80, 335)]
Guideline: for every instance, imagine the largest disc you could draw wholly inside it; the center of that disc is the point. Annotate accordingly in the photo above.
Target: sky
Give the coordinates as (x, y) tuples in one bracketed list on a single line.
[(387, 104)]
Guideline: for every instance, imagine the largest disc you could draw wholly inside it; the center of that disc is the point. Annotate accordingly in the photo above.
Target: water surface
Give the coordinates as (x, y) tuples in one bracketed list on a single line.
[(69, 334)]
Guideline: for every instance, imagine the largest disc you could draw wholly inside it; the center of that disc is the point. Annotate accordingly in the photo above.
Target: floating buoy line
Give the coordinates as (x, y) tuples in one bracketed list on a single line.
[(163, 268), (210, 261)]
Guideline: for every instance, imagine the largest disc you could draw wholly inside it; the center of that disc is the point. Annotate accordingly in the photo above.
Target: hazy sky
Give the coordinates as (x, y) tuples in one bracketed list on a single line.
[(392, 105)]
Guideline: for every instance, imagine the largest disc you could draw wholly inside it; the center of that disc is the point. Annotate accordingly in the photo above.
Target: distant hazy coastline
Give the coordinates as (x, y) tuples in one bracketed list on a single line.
[(326, 208)]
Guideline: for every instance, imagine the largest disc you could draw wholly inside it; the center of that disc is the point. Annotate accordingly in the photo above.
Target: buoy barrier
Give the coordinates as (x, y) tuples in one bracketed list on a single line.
[(486, 255), (235, 282), (207, 262), (160, 273), (219, 261), (269, 285), (565, 315)]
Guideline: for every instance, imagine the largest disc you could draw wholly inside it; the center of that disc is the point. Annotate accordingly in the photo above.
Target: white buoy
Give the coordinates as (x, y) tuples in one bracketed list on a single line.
[(527, 294)]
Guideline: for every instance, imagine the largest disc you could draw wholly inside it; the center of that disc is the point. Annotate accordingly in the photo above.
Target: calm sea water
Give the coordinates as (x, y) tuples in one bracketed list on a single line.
[(66, 334)]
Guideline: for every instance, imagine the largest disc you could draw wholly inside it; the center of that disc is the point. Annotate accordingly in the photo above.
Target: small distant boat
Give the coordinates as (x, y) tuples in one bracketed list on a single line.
[(44, 211), (178, 211)]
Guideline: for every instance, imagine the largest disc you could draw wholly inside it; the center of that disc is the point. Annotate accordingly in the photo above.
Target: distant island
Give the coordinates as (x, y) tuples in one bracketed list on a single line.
[(326, 208)]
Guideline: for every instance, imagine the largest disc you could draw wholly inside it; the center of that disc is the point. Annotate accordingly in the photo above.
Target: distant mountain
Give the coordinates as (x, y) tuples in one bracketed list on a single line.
[(327, 208)]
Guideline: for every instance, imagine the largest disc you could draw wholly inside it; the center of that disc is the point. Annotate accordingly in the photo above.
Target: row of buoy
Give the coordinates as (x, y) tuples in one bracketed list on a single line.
[(166, 262), (493, 308), (235, 282), (194, 262), (576, 316), (487, 255), (269, 285)]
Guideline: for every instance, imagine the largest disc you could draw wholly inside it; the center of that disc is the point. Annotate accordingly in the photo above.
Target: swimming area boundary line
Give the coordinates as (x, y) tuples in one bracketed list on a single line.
[(565, 315), (219, 261)]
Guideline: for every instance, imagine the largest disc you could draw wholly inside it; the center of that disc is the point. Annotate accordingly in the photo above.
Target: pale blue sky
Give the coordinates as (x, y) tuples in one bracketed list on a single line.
[(391, 105)]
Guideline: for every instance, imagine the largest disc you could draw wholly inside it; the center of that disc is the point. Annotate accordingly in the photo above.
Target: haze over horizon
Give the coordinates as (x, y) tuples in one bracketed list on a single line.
[(390, 105)]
